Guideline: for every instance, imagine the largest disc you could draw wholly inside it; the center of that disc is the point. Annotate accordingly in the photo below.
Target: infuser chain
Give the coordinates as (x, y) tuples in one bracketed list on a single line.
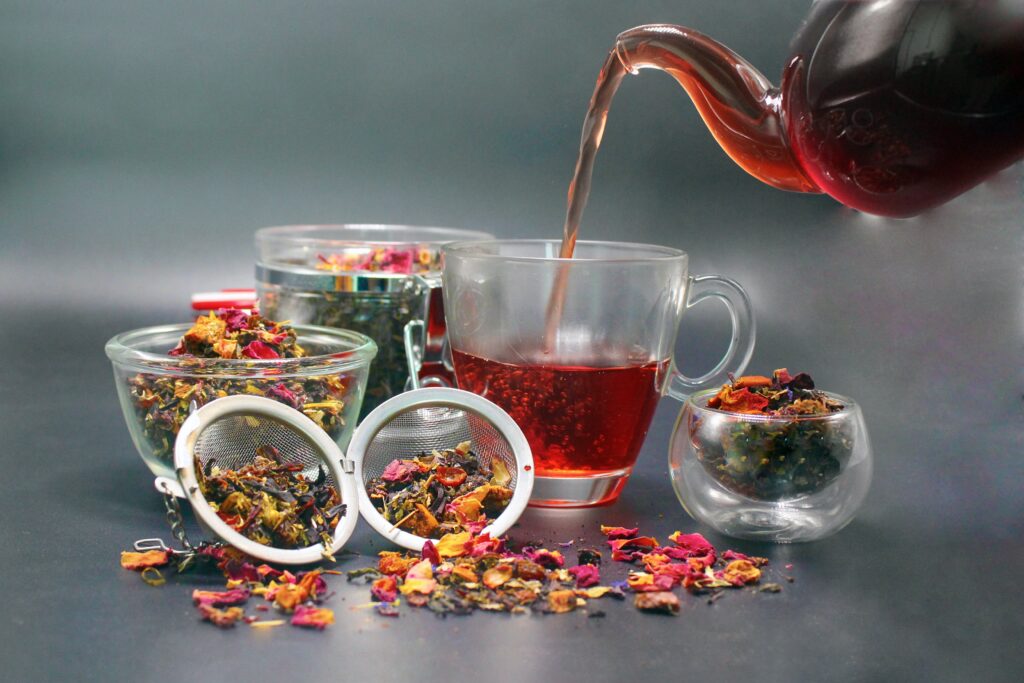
[(186, 557)]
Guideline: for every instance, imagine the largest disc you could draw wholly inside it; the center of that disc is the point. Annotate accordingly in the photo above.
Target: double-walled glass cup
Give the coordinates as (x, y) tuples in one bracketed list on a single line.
[(784, 479), (578, 351)]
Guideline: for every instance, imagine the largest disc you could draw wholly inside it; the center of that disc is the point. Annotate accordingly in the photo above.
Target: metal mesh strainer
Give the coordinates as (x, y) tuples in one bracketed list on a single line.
[(230, 430), (440, 418)]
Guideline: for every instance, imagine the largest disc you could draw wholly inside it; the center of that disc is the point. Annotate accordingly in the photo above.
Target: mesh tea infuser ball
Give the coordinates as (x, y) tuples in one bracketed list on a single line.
[(230, 433)]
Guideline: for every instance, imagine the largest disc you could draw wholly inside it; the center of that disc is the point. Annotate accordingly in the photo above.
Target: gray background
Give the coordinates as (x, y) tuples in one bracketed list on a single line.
[(142, 142)]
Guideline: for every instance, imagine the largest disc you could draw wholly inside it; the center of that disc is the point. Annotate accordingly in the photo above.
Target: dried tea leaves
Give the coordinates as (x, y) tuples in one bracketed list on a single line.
[(446, 495), (271, 502), (163, 402), (792, 452), (480, 573)]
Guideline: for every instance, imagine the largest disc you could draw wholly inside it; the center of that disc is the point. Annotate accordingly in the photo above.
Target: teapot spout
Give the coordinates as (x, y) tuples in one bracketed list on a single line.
[(739, 105)]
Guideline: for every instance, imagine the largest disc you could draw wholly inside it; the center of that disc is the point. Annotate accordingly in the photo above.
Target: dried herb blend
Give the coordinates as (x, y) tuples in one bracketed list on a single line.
[(269, 501), (794, 451), (162, 402), (443, 492), (463, 573)]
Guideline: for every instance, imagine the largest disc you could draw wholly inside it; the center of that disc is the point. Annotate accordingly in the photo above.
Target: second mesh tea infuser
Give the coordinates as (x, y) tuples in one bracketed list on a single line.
[(233, 432)]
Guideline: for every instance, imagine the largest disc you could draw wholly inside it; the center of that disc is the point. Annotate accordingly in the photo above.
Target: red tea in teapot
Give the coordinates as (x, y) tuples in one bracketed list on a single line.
[(891, 107)]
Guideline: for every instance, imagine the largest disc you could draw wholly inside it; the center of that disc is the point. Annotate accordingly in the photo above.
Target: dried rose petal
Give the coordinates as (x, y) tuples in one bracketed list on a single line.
[(150, 558), (615, 532), (497, 575), (561, 601), (282, 393), (694, 544), (659, 602), (313, 617), (429, 552), (238, 596), (752, 382), (288, 596), (740, 573), (586, 575), (730, 555), (740, 401), (385, 589), (480, 545), (258, 349), (224, 618), (631, 549), (395, 563), (550, 559), (453, 545), (400, 470)]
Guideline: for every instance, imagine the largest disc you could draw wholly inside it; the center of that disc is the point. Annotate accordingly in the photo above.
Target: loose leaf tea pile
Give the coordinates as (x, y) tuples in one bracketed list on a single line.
[(269, 501), (162, 402), (233, 333), (466, 572), (789, 454), (443, 492)]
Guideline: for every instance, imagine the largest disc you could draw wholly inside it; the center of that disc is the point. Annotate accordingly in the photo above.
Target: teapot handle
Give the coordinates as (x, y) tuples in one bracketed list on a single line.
[(741, 345)]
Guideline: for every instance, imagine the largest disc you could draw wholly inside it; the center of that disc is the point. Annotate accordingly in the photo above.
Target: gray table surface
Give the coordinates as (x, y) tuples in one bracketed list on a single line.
[(142, 146)]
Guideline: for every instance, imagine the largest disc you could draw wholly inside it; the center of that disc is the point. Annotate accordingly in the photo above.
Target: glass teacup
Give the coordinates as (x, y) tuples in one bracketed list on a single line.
[(578, 351)]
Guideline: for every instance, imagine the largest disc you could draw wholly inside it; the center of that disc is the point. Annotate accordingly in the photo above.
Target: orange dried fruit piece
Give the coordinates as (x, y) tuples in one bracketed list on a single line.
[(562, 601)]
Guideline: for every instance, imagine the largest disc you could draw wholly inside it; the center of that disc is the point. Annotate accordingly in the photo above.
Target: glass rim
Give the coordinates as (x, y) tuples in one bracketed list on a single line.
[(849, 406), (122, 349), (300, 234), (664, 254)]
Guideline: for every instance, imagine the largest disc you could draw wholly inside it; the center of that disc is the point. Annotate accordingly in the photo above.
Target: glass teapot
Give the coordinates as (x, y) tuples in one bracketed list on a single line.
[(889, 106)]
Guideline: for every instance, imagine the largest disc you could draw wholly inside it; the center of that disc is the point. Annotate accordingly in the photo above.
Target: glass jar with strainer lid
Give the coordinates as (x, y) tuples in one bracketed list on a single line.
[(381, 280)]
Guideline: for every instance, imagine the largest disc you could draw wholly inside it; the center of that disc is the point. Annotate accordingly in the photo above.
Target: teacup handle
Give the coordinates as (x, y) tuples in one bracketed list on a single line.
[(741, 346)]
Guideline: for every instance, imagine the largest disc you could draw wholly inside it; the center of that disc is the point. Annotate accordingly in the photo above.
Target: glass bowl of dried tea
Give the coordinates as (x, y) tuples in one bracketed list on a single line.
[(162, 373), (771, 458)]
